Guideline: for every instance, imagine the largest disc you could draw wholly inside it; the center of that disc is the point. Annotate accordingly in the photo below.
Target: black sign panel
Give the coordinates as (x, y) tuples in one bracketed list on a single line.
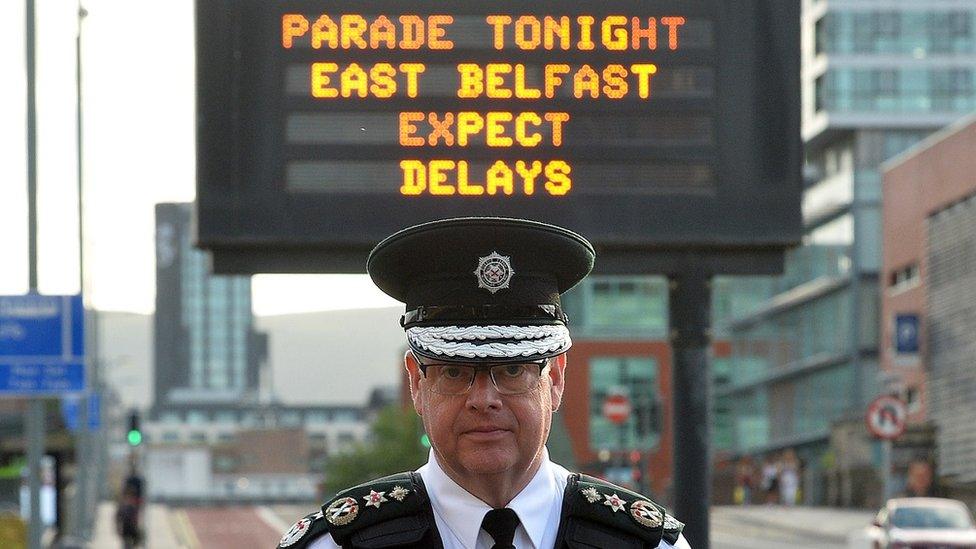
[(650, 127)]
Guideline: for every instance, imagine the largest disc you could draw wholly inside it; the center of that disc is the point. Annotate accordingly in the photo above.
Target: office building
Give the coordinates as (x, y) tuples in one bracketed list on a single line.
[(877, 77)]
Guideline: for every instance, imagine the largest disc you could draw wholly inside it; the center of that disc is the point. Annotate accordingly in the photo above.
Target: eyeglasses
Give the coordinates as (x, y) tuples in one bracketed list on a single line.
[(509, 378)]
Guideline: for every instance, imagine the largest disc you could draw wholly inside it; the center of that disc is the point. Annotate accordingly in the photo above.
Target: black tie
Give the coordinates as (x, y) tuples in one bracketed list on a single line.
[(500, 525)]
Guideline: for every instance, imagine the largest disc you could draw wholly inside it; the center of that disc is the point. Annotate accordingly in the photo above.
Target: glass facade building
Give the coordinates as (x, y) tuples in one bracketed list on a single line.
[(207, 354), (878, 76)]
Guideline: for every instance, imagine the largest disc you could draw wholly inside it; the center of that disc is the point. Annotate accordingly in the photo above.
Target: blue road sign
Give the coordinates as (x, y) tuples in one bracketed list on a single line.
[(906, 334), (71, 411), (42, 345)]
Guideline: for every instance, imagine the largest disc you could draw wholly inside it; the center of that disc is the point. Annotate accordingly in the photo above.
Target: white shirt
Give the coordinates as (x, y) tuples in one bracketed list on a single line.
[(458, 514)]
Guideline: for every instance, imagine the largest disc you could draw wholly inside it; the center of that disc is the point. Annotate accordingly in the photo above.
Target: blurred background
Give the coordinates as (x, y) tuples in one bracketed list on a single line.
[(230, 406)]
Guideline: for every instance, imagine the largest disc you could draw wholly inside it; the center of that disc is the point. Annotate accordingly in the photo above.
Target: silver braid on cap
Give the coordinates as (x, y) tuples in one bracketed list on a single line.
[(476, 341)]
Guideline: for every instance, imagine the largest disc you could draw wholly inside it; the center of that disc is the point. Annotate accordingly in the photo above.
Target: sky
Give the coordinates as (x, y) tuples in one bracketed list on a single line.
[(138, 142)]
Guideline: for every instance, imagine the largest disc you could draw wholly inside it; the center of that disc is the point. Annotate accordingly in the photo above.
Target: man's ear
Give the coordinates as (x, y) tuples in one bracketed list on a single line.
[(557, 377), (414, 375)]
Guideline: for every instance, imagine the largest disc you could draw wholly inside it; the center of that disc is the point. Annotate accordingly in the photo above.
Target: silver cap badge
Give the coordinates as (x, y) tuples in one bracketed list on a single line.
[(494, 272)]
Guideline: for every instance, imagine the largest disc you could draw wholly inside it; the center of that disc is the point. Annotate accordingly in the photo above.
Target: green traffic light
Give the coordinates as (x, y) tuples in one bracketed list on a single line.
[(425, 440), (135, 438)]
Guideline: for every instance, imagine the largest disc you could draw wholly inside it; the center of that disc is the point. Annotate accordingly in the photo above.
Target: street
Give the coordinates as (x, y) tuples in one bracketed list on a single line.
[(260, 527)]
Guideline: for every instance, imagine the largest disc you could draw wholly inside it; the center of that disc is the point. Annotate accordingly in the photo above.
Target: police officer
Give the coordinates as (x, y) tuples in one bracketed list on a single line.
[(486, 362)]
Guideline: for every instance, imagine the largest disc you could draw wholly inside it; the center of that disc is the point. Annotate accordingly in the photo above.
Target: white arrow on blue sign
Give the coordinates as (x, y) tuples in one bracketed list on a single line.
[(42, 345)]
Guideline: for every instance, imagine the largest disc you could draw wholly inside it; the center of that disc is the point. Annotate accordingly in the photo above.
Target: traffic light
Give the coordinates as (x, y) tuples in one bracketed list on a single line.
[(134, 435)]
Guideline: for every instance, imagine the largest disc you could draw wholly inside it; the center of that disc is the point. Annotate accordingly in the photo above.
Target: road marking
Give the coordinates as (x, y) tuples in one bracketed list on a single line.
[(272, 519), (184, 530)]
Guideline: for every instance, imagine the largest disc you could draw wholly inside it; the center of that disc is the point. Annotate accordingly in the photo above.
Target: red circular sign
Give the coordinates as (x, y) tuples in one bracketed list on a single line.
[(886, 417), (616, 408)]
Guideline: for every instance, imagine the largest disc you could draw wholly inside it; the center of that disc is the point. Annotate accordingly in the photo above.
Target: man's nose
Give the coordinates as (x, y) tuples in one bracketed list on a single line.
[(483, 393)]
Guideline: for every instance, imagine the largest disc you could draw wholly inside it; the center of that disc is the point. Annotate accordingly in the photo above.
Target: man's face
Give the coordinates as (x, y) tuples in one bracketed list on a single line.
[(483, 432)]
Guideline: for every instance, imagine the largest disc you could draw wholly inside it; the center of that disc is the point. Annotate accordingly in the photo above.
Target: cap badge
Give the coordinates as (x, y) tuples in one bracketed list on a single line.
[(298, 531), (494, 272), (646, 514), (342, 511)]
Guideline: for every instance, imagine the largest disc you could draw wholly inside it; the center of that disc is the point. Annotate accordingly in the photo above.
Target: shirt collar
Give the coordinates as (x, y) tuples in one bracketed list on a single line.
[(457, 506)]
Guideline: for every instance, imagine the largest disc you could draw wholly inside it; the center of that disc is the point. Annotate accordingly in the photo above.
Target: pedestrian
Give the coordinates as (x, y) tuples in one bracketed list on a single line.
[(744, 480), (486, 361), (770, 480), (127, 519), (789, 477)]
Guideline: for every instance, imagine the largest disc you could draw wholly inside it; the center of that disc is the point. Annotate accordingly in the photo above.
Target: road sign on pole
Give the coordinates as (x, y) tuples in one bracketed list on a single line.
[(616, 408), (42, 345), (886, 417)]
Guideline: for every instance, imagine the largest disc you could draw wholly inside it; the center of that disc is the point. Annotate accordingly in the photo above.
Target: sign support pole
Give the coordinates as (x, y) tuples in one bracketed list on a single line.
[(34, 424), (690, 304)]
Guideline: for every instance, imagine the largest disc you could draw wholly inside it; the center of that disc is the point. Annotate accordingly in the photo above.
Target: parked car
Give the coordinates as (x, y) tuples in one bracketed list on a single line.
[(924, 523)]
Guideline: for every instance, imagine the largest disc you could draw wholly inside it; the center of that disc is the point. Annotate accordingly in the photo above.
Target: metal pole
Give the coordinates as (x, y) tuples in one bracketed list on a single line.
[(84, 477), (35, 408), (886, 470), (690, 304)]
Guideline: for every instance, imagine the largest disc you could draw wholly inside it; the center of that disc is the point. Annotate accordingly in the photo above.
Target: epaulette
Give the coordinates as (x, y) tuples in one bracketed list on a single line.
[(392, 510), (600, 514)]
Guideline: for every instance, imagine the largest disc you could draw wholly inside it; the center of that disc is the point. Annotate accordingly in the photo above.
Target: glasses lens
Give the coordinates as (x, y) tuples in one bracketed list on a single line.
[(509, 379), (512, 379), (448, 379)]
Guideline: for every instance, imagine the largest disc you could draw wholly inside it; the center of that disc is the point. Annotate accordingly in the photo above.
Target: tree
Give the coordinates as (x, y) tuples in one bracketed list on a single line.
[(394, 445)]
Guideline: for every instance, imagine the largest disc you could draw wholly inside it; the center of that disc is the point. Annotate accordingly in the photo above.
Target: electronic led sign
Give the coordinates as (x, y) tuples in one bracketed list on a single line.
[(648, 126)]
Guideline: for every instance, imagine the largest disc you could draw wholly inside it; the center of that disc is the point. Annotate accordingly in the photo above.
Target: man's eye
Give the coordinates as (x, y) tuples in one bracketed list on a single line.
[(513, 370), (453, 373)]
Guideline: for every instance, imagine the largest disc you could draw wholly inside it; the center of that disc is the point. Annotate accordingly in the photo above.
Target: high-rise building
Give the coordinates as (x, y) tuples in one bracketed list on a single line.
[(877, 77), (207, 353)]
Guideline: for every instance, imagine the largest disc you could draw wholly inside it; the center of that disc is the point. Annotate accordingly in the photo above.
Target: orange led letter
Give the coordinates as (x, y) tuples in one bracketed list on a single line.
[(441, 128), (463, 187), (407, 129), (551, 29), (414, 177), (552, 78), (413, 32), (292, 25), (471, 80), (494, 129), (320, 80), (528, 175), (353, 28), (673, 23), (586, 31), (354, 79), (586, 79), (412, 70), (500, 176), (325, 30), (384, 84), (520, 90), (438, 177), (615, 81), (557, 119), (644, 72), (636, 33), (499, 22), (535, 32), (435, 33), (382, 30), (468, 123), (613, 32), (557, 173), (521, 135), (494, 80)]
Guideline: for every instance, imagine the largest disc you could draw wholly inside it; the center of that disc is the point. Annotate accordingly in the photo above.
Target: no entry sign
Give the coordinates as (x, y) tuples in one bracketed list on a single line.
[(886, 417), (616, 408)]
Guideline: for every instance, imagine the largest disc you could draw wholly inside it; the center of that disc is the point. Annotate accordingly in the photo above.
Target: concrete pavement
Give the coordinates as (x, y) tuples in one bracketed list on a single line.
[(780, 527), (165, 528)]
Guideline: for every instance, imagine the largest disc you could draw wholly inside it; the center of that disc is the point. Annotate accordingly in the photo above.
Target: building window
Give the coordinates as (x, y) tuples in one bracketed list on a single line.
[(637, 379), (903, 279)]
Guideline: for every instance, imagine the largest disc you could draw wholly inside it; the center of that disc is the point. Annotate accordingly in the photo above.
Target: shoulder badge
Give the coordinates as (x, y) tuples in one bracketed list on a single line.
[(646, 514), (299, 530), (342, 511)]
